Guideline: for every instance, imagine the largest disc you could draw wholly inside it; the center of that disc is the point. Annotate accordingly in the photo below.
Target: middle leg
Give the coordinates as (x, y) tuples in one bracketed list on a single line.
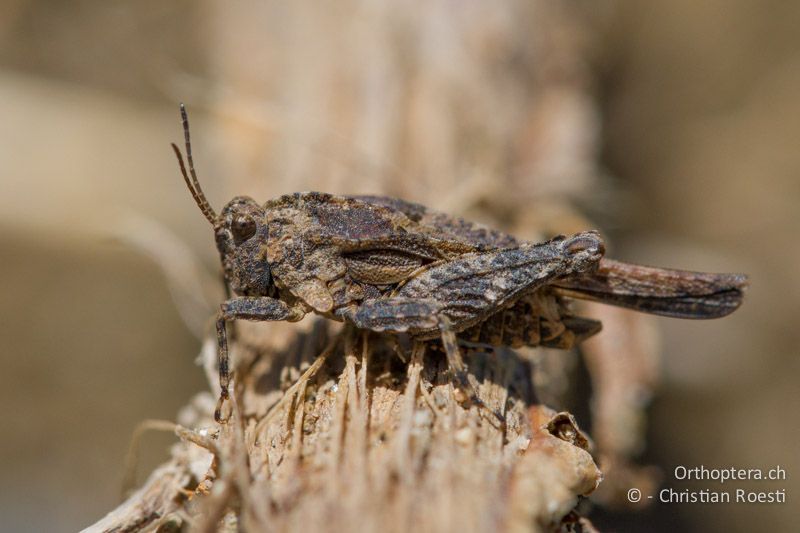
[(414, 316)]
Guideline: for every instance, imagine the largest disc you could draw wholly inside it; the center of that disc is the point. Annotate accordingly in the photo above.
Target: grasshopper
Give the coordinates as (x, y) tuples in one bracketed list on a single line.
[(387, 265)]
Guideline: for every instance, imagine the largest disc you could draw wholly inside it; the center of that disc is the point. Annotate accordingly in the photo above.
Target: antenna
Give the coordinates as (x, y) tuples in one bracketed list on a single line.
[(193, 184)]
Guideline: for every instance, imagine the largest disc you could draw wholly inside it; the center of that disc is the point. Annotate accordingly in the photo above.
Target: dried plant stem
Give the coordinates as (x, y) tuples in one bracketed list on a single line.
[(358, 442)]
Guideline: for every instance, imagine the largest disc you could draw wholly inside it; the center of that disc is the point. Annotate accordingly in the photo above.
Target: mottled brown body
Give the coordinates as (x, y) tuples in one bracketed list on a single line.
[(384, 264), (328, 254)]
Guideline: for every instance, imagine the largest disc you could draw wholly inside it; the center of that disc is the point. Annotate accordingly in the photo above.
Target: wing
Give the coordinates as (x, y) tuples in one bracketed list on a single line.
[(660, 291)]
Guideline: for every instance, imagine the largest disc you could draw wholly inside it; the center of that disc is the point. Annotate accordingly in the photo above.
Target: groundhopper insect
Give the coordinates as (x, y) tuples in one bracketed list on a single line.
[(388, 265)]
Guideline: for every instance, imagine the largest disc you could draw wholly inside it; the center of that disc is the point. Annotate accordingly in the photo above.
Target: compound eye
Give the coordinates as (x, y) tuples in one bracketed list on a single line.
[(243, 227)]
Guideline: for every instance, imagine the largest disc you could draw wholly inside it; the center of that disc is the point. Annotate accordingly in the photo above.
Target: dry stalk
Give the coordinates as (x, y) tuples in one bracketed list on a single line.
[(363, 441)]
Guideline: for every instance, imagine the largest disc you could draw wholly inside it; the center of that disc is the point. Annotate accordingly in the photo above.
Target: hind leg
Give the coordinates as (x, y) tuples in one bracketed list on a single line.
[(465, 383)]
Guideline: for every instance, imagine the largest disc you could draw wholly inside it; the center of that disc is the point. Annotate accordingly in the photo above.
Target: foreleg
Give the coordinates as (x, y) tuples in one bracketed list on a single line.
[(246, 308)]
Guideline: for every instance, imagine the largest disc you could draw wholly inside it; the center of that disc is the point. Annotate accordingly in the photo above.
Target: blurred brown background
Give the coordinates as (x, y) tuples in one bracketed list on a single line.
[(673, 125)]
